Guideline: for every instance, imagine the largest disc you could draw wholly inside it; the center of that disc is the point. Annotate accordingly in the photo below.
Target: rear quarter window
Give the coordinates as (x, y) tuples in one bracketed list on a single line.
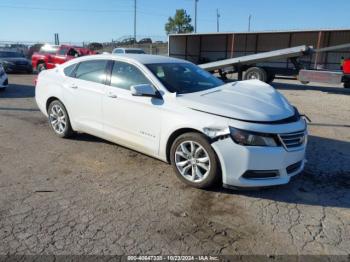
[(68, 71)]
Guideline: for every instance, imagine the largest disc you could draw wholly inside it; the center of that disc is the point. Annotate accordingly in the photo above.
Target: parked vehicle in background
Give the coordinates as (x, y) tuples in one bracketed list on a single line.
[(15, 62), (121, 50), (242, 134), (50, 55), (3, 79), (145, 41), (159, 42), (128, 41), (346, 72)]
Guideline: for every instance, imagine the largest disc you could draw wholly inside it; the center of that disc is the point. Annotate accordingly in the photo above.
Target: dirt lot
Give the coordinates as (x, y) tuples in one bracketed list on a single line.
[(88, 196)]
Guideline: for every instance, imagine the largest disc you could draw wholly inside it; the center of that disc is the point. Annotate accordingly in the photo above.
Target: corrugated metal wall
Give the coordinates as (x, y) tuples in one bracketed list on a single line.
[(202, 48)]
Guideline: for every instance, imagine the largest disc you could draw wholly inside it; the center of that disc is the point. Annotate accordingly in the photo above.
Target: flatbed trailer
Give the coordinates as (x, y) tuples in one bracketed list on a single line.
[(249, 65)]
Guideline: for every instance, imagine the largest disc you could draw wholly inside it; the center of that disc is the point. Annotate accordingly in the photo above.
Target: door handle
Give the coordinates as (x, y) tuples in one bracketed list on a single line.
[(74, 86), (111, 95)]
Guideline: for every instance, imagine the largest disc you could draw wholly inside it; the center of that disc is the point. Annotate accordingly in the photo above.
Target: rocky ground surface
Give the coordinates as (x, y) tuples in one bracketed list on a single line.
[(88, 196)]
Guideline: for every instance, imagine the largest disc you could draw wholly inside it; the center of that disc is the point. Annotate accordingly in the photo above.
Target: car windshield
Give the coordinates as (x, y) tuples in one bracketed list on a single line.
[(10, 54), (184, 78), (49, 49), (134, 51)]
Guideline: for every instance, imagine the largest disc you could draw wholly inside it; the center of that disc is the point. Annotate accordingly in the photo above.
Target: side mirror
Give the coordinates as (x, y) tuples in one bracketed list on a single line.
[(144, 90)]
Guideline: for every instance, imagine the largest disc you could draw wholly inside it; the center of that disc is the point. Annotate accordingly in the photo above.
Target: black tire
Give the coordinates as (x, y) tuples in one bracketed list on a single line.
[(256, 73), (214, 174), (304, 82), (67, 130), (41, 67), (270, 77), (346, 84)]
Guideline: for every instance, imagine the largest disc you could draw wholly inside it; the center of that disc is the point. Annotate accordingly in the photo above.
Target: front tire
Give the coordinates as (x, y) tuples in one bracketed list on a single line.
[(59, 120), (41, 67), (194, 160)]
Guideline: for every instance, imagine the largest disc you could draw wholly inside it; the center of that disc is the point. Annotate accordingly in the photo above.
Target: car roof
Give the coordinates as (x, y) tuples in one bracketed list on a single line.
[(140, 58), (128, 48)]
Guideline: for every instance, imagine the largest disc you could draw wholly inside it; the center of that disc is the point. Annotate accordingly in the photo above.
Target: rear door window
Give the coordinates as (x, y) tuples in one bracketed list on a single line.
[(93, 71)]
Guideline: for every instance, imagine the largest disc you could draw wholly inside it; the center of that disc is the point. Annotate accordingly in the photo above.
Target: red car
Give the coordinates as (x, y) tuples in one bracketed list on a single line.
[(346, 71), (49, 55)]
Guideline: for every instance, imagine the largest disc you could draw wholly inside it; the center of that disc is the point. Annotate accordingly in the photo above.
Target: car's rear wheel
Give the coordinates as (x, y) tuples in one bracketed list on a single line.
[(194, 160), (59, 119)]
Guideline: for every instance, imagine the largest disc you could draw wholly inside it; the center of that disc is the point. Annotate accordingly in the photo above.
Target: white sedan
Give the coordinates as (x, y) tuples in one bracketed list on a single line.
[(241, 134)]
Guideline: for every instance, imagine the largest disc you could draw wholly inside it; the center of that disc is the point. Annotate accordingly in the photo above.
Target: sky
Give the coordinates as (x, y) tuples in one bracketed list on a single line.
[(103, 20)]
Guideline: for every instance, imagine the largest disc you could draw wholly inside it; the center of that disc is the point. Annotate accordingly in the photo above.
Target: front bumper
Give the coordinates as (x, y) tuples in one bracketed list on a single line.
[(236, 161)]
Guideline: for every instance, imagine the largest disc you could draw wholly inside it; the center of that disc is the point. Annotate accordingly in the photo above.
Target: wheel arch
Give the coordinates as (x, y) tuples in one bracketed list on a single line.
[(175, 135), (50, 100), (38, 62)]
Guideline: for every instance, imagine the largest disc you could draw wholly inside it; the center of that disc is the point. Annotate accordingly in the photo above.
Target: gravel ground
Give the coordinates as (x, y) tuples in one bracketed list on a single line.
[(88, 196)]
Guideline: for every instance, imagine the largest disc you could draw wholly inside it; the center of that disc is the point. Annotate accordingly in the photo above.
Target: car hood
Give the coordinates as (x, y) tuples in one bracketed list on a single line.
[(14, 59), (250, 100)]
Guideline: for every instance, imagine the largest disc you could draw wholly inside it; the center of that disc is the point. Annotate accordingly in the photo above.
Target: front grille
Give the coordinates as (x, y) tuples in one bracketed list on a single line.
[(294, 167), (293, 140)]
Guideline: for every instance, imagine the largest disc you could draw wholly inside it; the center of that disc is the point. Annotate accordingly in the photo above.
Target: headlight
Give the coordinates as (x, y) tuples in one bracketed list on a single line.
[(213, 132), (7, 63), (248, 138)]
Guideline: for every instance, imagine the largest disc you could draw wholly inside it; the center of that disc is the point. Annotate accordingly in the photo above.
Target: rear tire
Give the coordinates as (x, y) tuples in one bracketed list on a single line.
[(256, 73), (270, 77), (194, 160), (59, 120)]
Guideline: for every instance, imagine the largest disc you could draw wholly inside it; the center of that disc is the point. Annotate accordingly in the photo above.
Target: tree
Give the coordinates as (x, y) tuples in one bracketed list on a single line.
[(180, 23)]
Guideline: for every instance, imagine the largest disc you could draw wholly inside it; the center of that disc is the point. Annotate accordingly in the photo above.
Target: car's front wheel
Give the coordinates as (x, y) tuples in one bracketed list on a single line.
[(40, 67), (59, 119), (194, 160)]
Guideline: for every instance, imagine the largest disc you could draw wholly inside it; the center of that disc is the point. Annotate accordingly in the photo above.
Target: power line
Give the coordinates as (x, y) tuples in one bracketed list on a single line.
[(64, 9)]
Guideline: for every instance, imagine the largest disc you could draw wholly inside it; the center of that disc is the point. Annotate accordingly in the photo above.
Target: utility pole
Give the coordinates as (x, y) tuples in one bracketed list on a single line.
[(195, 15), (135, 20), (217, 20), (250, 18), (57, 40)]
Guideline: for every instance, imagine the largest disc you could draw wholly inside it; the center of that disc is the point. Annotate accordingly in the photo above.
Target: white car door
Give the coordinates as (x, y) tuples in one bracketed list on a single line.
[(84, 93), (133, 121)]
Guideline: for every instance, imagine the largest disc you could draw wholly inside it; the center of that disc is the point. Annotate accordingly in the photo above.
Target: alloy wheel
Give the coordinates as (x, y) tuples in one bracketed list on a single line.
[(192, 161), (58, 119)]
